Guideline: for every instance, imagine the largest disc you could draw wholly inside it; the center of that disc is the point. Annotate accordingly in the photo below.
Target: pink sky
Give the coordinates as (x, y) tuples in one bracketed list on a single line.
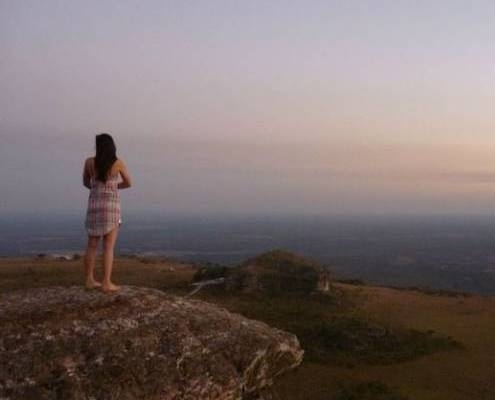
[(225, 106)]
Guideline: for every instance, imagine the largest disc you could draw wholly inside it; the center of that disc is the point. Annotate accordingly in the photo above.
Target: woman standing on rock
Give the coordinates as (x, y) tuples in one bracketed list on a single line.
[(101, 176)]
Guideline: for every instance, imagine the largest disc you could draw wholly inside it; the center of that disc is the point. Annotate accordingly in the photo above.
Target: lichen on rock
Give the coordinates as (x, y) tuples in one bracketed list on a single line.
[(70, 343)]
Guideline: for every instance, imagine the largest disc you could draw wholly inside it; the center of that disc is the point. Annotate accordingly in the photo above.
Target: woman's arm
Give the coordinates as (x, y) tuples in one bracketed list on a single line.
[(87, 174), (124, 174)]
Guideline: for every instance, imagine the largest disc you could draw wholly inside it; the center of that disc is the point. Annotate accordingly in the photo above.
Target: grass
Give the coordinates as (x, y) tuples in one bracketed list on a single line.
[(332, 330), (362, 342), (462, 374), (21, 273)]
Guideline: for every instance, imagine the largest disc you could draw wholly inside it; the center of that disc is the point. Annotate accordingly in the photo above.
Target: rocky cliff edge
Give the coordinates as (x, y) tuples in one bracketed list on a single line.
[(70, 343)]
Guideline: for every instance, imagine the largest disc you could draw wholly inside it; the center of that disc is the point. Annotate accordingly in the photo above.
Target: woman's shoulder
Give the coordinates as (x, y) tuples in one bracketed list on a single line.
[(119, 163), (116, 166)]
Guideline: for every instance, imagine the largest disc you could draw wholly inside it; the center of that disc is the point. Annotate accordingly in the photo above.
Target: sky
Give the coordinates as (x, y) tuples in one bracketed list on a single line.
[(302, 107)]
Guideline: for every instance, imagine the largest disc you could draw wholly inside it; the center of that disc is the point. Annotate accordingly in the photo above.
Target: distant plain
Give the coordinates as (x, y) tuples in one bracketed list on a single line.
[(440, 252)]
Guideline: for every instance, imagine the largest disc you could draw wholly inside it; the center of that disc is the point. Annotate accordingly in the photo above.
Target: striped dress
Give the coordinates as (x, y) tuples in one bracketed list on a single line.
[(103, 214)]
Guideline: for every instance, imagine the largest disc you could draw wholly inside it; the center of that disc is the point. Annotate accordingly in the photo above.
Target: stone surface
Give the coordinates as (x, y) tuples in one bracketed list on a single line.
[(70, 343), (278, 271)]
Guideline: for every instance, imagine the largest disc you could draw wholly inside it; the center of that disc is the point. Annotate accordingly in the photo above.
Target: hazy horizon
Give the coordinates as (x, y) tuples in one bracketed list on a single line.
[(222, 107)]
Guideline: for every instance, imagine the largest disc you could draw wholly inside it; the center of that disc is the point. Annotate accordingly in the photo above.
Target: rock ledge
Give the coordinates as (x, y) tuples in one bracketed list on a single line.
[(69, 343)]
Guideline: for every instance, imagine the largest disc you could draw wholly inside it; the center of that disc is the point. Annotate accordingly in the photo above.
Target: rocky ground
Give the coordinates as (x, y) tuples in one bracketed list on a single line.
[(71, 343)]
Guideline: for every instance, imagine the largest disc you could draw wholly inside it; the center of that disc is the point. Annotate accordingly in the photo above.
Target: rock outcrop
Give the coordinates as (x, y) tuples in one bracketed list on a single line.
[(278, 271), (69, 343)]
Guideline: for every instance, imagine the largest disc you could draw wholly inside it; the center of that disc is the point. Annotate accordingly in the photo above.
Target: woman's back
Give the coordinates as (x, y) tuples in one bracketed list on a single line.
[(103, 212), (101, 176)]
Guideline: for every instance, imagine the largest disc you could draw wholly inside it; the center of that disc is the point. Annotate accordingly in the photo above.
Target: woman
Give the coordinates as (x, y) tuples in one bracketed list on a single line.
[(101, 176)]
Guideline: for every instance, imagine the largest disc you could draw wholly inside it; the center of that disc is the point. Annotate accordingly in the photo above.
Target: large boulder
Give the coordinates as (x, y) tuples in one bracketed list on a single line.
[(278, 271), (70, 343)]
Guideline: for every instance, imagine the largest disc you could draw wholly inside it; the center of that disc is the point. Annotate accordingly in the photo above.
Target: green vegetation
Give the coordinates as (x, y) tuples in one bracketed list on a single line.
[(351, 339), (328, 325), (283, 259), (332, 330), (278, 272)]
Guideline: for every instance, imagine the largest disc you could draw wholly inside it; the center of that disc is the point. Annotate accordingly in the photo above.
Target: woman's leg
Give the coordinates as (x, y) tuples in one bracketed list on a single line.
[(89, 262), (108, 244)]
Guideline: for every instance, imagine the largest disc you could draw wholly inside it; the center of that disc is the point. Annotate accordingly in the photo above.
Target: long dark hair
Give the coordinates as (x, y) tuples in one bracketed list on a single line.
[(106, 155)]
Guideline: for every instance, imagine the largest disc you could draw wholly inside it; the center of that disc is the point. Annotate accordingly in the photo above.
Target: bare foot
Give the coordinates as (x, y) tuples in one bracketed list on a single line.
[(110, 287), (92, 284)]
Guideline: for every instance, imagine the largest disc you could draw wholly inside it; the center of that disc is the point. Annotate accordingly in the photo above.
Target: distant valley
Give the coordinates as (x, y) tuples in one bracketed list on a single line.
[(451, 253)]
